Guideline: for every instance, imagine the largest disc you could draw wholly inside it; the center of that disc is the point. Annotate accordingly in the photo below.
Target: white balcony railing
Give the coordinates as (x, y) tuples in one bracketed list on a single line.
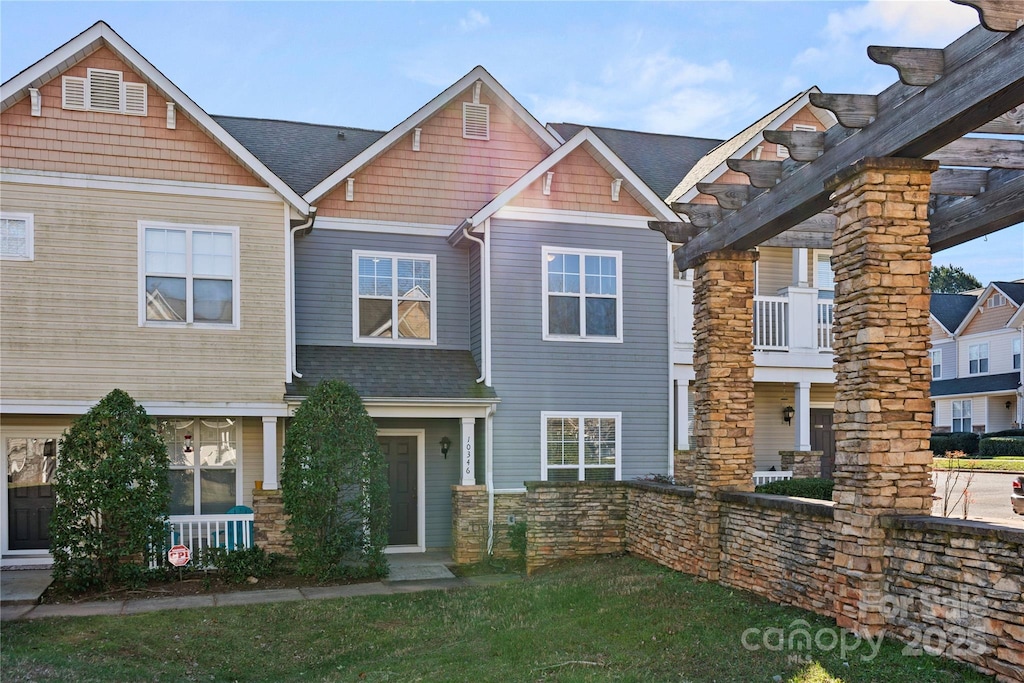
[(771, 323), (825, 319), (767, 477), (199, 532)]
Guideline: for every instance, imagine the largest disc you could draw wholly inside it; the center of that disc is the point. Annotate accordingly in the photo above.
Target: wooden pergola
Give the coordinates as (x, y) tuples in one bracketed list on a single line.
[(943, 100)]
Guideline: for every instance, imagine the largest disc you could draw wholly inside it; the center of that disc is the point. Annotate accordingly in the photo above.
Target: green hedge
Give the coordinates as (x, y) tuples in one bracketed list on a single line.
[(955, 441), (802, 488), (1005, 432), (1002, 445)]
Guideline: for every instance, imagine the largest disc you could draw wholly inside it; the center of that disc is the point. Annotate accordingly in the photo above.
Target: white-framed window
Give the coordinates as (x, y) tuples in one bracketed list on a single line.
[(188, 275), (582, 295), (936, 357), (977, 358), (16, 234), (824, 278), (581, 446), (1016, 353), (206, 463), (962, 416), (394, 298), (996, 300), (104, 90), (782, 151)]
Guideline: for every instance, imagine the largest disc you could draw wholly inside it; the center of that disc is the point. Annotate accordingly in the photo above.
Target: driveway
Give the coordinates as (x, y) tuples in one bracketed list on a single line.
[(990, 495)]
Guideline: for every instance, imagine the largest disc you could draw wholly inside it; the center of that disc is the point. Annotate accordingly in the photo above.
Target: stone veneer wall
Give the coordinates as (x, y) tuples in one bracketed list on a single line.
[(469, 523), (780, 548), (269, 522), (683, 467), (660, 525), (803, 464), (956, 586)]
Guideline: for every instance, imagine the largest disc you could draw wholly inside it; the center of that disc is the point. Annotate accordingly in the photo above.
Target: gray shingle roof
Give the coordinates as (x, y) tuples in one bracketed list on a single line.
[(301, 154), (976, 385), (1014, 290), (660, 160), (950, 309), (377, 372)]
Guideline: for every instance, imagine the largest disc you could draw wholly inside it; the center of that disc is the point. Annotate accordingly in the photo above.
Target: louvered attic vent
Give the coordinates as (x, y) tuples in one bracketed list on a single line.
[(476, 121), (103, 90)]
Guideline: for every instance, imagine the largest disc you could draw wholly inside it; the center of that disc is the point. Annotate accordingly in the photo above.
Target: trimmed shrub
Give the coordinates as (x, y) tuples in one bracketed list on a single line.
[(1005, 432), (112, 494), (955, 441), (1002, 445), (801, 488), (335, 487)]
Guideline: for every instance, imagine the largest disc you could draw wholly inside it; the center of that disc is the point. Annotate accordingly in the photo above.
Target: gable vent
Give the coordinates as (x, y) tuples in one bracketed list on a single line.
[(104, 90), (135, 99), (476, 121), (73, 96)]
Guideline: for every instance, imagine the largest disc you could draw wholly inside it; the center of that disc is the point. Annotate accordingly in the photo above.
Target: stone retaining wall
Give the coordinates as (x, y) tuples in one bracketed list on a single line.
[(469, 523), (660, 525), (270, 522)]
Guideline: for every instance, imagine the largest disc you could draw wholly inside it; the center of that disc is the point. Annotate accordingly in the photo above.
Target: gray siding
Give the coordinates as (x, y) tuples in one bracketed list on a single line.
[(323, 285), (474, 304), (531, 375), (948, 351)]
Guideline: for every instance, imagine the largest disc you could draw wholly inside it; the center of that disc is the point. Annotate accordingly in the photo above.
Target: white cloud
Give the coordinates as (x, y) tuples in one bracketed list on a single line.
[(473, 21), (928, 23)]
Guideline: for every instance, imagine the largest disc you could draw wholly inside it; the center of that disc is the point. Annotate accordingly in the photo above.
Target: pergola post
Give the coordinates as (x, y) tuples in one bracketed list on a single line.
[(723, 363), (883, 463)]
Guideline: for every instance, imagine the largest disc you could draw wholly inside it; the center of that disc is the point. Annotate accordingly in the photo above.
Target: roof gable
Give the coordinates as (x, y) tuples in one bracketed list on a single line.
[(981, 318), (949, 310), (100, 35), (542, 136)]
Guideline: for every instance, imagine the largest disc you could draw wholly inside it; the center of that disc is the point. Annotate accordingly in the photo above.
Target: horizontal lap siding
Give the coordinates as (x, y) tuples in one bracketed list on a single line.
[(774, 270), (70, 317), (323, 272), (531, 375), (579, 183), (947, 352)]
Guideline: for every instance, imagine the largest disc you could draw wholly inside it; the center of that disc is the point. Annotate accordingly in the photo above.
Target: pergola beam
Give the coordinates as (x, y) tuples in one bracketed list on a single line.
[(996, 208), (981, 152)]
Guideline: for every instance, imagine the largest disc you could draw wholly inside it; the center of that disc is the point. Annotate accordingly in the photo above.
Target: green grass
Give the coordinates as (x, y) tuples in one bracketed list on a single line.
[(603, 620), (1000, 463)]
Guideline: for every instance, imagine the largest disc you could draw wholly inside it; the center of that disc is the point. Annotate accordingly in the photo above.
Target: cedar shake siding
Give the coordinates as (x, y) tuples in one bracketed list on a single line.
[(449, 179), (71, 315), (110, 144)]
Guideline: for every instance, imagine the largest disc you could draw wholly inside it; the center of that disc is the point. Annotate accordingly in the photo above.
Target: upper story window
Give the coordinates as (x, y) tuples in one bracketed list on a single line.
[(580, 447), (582, 295), (1016, 354), (188, 275), (104, 90), (394, 298), (977, 358), (16, 236), (936, 358)]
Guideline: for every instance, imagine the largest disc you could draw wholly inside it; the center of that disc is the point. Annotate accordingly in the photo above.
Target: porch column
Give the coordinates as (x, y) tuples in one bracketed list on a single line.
[(468, 452), (270, 453), (800, 275), (723, 363), (883, 463), (803, 416)]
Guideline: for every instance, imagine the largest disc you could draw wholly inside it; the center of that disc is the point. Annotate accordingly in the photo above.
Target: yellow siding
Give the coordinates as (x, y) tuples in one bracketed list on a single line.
[(70, 317), (774, 270), (989, 319)]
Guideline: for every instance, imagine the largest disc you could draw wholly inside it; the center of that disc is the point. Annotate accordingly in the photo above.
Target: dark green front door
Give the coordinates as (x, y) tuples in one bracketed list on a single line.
[(400, 454)]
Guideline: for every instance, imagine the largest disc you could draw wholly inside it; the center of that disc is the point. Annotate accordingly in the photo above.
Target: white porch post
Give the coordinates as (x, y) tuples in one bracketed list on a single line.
[(803, 416), (468, 451), (270, 453), (682, 411), (800, 275)]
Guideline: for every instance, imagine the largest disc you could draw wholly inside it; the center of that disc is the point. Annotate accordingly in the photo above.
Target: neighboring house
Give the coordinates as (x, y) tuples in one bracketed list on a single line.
[(142, 248), (976, 358)]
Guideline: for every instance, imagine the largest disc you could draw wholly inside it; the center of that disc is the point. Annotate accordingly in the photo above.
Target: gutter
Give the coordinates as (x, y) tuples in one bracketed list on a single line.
[(305, 227), (485, 300)]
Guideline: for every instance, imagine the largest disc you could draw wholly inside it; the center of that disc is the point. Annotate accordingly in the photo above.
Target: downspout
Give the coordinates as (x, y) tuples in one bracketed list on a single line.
[(306, 226), (489, 475), (485, 302)]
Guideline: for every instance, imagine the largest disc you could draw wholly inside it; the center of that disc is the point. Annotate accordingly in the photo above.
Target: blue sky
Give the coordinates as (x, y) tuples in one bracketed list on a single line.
[(692, 68)]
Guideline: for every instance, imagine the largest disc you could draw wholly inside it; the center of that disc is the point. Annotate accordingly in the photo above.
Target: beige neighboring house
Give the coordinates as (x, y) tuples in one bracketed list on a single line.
[(143, 248)]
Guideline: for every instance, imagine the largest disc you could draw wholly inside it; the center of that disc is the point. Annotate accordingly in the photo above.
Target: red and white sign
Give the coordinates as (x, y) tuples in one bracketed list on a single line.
[(179, 555)]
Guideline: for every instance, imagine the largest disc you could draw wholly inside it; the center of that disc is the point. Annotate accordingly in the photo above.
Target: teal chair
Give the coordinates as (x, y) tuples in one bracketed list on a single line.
[(236, 533)]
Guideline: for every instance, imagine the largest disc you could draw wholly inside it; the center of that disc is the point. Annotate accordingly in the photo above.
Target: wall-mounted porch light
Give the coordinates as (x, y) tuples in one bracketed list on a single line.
[(446, 443), (787, 414)]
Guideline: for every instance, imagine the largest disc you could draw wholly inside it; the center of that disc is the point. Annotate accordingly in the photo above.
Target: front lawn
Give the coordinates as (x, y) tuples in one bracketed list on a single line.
[(999, 463), (600, 620)]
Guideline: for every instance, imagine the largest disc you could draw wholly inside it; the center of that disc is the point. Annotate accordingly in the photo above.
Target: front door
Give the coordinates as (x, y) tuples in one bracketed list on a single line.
[(823, 439), (30, 466), (400, 454)]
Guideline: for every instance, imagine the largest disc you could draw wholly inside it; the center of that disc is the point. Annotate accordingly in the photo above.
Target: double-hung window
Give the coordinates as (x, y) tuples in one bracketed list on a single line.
[(977, 358), (962, 416), (16, 236), (936, 358), (394, 298), (205, 462), (1016, 354), (581, 446), (189, 275), (582, 295)]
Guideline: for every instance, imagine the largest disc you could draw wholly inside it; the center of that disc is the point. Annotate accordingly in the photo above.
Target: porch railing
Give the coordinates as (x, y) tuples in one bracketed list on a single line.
[(766, 477), (825, 318), (200, 532), (771, 324)]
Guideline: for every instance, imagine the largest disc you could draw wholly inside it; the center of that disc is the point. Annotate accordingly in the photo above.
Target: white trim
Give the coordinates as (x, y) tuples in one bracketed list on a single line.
[(521, 489), (29, 236), (148, 185), (426, 111), (421, 489), (987, 357), (162, 408), (394, 339), (547, 251), (580, 415), (975, 394), (189, 228), (975, 309), (46, 432), (815, 253), (83, 44), (612, 220), (388, 227), (932, 355), (408, 410)]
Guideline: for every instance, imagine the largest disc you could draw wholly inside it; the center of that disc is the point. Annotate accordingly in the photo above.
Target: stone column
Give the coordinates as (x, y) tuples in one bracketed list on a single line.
[(881, 261), (270, 522), (723, 363)]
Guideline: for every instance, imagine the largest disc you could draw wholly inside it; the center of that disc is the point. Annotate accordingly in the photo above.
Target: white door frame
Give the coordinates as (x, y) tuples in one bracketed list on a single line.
[(21, 557), (421, 491)]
